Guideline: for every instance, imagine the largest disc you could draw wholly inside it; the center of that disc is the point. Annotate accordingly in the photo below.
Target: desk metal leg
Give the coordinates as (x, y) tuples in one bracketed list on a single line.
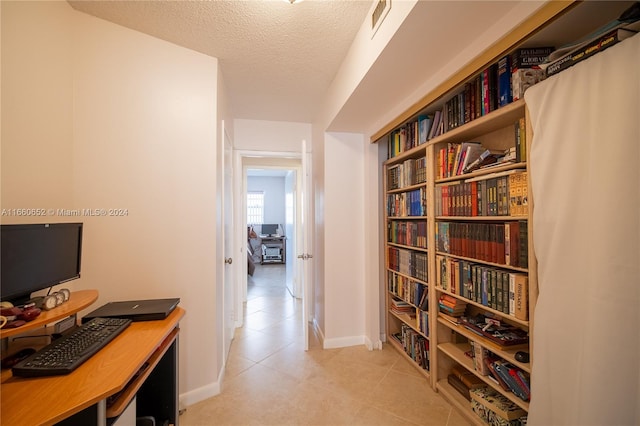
[(102, 413)]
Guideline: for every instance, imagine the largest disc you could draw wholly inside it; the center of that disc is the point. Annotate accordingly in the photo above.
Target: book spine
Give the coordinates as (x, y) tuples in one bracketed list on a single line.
[(521, 299), (504, 81), (587, 51), (529, 57)]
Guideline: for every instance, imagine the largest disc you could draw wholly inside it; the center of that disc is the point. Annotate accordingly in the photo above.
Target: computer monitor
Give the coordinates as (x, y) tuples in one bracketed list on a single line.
[(38, 256), (269, 229)]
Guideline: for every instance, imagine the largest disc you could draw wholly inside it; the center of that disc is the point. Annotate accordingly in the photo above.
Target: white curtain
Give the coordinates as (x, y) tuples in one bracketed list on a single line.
[(585, 180)]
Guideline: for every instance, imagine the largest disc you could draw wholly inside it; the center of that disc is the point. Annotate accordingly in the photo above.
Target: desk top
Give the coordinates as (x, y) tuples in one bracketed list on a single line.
[(48, 400)]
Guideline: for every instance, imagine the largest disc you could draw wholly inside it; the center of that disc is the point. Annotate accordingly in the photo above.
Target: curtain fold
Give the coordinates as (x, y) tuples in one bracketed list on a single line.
[(585, 182)]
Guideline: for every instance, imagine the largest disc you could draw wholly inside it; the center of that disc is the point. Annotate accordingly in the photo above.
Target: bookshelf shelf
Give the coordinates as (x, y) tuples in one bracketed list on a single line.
[(483, 172), (457, 353), (484, 262), (495, 120), (459, 402), (407, 217), (406, 247), (501, 314), (506, 354)]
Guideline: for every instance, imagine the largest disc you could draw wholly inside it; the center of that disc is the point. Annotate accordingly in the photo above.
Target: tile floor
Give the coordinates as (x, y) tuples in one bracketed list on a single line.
[(271, 380)]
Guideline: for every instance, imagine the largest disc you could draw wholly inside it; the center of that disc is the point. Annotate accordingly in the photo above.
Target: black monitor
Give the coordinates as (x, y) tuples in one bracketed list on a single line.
[(269, 229), (38, 256)]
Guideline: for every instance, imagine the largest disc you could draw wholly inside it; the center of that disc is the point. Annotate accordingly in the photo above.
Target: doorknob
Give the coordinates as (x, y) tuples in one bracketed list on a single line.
[(228, 261), (305, 256)]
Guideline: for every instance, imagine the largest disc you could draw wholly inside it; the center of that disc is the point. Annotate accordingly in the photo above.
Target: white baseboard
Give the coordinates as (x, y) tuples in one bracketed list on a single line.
[(202, 393), (343, 342), (371, 345)]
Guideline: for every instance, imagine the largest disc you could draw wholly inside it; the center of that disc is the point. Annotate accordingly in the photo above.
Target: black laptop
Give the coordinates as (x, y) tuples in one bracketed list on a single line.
[(135, 310)]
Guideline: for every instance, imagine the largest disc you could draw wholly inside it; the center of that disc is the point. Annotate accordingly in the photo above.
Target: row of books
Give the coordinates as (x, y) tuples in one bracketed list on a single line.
[(501, 194), (503, 243), (408, 262), (409, 233), (406, 137), (492, 88), (410, 203), (497, 85), (409, 290), (412, 171), (415, 345), (424, 128), (495, 288)]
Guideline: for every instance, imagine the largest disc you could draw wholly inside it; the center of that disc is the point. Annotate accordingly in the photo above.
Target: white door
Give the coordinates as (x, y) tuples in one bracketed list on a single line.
[(229, 320), (305, 258)]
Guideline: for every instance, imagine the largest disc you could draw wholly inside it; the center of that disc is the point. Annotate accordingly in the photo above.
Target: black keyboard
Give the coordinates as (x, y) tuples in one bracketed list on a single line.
[(64, 355)]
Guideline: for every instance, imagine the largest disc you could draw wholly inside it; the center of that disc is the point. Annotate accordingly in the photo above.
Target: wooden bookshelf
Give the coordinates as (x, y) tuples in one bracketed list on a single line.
[(450, 343)]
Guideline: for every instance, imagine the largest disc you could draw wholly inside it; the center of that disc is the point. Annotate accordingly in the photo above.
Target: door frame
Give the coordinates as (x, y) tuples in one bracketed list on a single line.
[(264, 159)]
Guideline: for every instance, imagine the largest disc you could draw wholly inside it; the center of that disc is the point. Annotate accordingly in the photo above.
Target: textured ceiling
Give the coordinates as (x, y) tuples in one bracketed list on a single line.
[(277, 59)]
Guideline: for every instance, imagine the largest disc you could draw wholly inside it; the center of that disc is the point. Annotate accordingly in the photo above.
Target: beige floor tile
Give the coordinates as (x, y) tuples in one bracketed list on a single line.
[(271, 380)]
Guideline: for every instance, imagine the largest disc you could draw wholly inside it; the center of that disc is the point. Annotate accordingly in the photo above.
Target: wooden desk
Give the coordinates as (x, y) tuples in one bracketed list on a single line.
[(277, 244), (80, 397)]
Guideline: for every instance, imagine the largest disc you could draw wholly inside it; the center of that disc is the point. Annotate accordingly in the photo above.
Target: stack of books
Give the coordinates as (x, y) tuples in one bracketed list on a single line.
[(451, 306), (627, 25), (400, 307)]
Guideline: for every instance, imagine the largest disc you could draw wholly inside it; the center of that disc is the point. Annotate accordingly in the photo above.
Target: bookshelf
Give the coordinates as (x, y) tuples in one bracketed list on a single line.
[(406, 254), (480, 272)]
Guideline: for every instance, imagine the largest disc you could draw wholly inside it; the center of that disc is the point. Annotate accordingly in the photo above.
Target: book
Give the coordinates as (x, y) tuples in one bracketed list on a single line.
[(470, 380), (521, 297), (511, 232), (589, 49), (529, 57), (522, 381), (504, 81), (502, 368), (604, 36), (494, 374), (480, 355), (424, 125), (475, 164), (472, 151), (522, 79), (458, 385)]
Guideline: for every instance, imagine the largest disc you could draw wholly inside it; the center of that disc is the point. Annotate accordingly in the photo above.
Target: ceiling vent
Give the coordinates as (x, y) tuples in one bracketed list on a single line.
[(378, 15)]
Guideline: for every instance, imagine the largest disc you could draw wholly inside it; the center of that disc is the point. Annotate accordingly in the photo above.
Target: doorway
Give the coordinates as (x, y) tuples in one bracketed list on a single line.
[(271, 227), (289, 166)]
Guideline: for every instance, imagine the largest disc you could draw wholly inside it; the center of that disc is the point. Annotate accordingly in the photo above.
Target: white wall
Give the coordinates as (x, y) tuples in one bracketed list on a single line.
[(99, 116), (37, 108), (344, 219), (145, 140), (260, 135), (274, 197)]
